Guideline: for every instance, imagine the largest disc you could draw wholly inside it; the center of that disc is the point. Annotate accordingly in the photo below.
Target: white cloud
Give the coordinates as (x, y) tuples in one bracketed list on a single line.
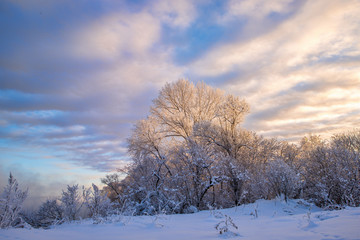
[(126, 33), (317, 47), (318, 30), (104, 100), (175, 13), (257, 9), (116, 34)]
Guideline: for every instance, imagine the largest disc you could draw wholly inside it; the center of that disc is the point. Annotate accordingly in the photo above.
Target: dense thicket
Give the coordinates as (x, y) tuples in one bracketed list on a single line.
[(191, 153)]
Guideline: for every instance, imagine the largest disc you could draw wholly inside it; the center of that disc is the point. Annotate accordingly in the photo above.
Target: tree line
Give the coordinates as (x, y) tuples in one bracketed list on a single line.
[(191, 154)]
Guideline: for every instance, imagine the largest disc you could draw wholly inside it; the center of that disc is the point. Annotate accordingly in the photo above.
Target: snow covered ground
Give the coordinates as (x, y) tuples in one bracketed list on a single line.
[(272, 219)]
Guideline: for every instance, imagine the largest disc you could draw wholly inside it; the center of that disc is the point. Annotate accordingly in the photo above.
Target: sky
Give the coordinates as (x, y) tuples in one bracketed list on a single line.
[(76, 75)]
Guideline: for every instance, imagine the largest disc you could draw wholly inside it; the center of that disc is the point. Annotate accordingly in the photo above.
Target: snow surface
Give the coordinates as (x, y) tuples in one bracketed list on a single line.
[(274, 219)]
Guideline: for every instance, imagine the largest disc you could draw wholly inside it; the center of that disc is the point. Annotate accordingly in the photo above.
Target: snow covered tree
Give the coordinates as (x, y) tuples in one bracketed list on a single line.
[(171, 140), (263, 151), (282, 179), (98, 204), (346, 151), (147, 145), (234, 144), (197, 172), (11, 202), (230, 114), (71, 202), (181, 105), (321, 176), (149, 174), (113, 187), (332, 169)]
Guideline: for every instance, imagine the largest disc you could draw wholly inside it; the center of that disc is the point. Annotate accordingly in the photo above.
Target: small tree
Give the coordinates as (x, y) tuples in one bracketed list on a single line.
[(98, 204), (11, 202), (113, 187), (282, 179), (72, 202)]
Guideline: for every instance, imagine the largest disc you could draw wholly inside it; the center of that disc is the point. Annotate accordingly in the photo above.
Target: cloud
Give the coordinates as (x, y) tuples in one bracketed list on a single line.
[(117, 34), (301, 70), (178, 14), (256, 9), (80, 91), (315, 33)]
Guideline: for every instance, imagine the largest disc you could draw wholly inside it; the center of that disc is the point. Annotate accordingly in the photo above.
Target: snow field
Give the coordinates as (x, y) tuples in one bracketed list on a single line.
[(264, 219)]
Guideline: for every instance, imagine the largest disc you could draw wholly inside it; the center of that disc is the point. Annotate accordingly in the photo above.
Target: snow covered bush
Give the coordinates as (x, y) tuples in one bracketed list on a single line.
[(49, 213), (224, 226), (11, 202)]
